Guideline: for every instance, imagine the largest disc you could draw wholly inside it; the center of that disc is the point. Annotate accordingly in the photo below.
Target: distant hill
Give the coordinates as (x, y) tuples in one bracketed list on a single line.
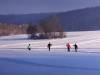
[(76, 20), (24, 18), (82, 19)]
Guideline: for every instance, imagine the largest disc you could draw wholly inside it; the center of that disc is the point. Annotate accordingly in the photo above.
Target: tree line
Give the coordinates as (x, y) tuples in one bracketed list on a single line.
[(11, 29), (49, 28)]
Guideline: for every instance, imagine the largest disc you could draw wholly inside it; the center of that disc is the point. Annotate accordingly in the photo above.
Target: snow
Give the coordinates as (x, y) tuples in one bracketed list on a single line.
[(50, 64), (85, 39), (15, 59)]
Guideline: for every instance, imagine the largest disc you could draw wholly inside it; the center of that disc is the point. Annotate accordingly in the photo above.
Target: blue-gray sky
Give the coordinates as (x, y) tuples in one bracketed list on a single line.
[(41, 6)]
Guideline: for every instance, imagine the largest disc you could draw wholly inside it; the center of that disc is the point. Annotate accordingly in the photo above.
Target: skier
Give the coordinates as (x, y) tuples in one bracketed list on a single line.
[(49, 45), (75, 47), (68, 47), (29, 47)]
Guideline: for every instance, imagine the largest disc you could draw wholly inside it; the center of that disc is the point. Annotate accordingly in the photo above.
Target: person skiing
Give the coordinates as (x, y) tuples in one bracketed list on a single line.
[(49, 46), (29, 47), (75, 47), (68, 47)]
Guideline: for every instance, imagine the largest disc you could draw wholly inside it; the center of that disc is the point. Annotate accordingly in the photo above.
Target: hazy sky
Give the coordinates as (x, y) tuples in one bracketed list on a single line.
[(40, 6)]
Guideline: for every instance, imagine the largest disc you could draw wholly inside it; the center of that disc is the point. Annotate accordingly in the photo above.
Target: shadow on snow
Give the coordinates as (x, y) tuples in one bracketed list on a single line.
[(23, 62)]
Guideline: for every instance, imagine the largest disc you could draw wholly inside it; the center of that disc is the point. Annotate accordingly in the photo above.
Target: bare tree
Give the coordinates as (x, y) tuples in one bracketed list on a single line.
[(31, 29), (52, 28)]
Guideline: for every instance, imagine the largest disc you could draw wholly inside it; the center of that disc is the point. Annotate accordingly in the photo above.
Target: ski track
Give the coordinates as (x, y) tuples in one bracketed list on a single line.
[(85, 39)]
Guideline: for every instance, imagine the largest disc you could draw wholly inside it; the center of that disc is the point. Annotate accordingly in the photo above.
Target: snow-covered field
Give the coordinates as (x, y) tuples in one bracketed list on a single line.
[(15, 59)]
